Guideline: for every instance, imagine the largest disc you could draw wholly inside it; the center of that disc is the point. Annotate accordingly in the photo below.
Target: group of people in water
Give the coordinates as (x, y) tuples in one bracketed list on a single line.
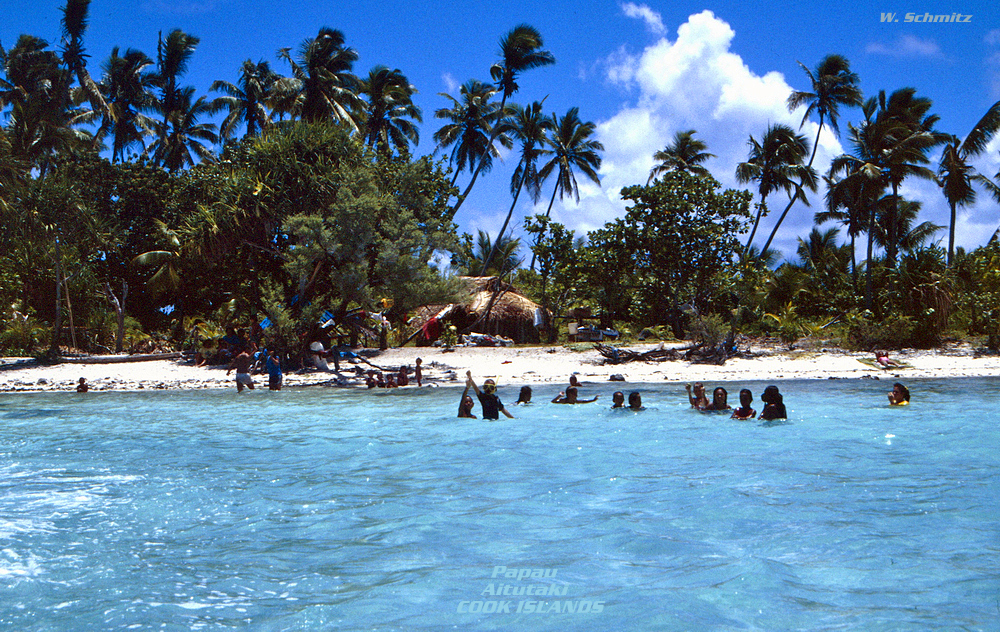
[(773, 409), (774, 404)]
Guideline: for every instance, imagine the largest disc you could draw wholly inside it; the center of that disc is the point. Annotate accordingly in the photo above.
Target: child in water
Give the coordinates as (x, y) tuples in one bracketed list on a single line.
[(719, 401), (524, 397), (698, 399), (618, 400), (571, 397), (745, 411), (635, 401), (488, 398), (774, 404), (899, 395), (466, 403)]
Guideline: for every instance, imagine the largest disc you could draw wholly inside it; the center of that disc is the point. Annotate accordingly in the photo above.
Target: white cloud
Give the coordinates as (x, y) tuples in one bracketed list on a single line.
[(906, 46), (451, 84), (652, 19), (695, 82)]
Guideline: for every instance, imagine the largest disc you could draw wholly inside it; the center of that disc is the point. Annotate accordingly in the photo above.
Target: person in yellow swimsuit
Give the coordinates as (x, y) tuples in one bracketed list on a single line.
[(899, 395)]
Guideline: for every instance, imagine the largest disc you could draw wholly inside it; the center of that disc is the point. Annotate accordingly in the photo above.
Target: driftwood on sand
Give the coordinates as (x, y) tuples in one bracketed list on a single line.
[(698, 354), (114, 359)]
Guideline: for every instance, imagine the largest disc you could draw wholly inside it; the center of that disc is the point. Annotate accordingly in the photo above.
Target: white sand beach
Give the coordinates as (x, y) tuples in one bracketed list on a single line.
[(514, 365)]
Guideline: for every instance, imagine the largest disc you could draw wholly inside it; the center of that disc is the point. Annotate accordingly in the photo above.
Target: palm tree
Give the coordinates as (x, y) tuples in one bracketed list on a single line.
[(520, 50), (323, 87), (247, 100), (820, 248), (505, 250), (473, 118), (389, 108), (895, 219), (955, 175), (888, 146), (849, 206), (776, 164), (572, 149), (183, 142), (686, 154), (172, 57), (42, 120), (833, 85), (127, 91), (908, 114), (12, 172), (529, 126), (74, 25)]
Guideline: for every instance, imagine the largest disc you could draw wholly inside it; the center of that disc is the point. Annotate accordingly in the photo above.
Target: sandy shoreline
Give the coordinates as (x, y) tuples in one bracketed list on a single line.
[(513, 365)]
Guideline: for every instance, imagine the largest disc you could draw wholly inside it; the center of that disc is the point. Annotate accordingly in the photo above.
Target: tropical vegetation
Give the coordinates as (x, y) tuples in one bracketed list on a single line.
[(138, 213)]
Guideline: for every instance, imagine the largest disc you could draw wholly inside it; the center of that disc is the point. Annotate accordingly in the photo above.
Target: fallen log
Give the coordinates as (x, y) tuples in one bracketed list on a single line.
[(114, 359)]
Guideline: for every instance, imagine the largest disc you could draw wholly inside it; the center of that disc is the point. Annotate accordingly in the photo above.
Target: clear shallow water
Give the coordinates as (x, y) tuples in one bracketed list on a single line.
[(326, 509)]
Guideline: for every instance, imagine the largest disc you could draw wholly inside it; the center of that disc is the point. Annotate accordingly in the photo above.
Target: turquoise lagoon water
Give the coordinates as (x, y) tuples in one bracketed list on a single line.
[(327, 509)]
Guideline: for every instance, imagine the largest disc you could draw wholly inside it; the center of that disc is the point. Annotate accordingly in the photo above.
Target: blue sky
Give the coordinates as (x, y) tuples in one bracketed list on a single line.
[(640, 71)]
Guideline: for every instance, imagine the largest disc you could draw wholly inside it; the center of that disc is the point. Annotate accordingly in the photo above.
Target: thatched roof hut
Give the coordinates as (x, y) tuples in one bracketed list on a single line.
[(511, 315)]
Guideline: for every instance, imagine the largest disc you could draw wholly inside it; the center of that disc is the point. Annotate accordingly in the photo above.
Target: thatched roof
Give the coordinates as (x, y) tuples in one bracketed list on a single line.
[(512, 314)]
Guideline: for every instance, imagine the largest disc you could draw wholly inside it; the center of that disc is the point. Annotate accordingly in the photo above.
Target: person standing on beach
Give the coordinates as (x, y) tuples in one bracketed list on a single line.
[(274, 376), (418, 373), (242, 365), (492, 406)]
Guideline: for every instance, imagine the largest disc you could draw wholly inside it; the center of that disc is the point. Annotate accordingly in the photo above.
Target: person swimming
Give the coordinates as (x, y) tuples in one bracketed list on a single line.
[(618, 400), (745, 411), (698, 399), (774, 404), (571, 396), (524, 397), (466, 404), (899, 395), (719, 401), (635, 401)]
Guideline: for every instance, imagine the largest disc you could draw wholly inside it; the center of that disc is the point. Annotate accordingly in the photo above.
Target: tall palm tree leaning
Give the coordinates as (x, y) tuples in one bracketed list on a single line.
[(776, 164), (530, 126), (685, 153), (520, 50), (833, 85), (247, 100), (74, 25), (955, 174), (471, 128), (388, 110), (572, 148)]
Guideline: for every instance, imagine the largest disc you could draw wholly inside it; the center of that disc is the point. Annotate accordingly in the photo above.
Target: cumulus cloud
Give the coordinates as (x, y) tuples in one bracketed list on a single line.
[(652, 19), (694, 82), (906, 46)]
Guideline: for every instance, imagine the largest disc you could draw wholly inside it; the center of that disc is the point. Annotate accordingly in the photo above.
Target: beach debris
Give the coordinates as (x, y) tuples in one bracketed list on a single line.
[(698, 354)]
